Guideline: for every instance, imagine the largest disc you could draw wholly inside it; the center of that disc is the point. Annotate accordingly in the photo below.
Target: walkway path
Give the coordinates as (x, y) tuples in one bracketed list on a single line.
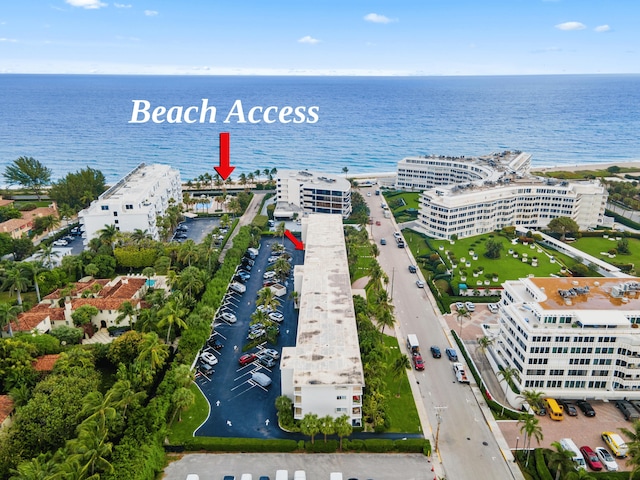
[(246, 218)]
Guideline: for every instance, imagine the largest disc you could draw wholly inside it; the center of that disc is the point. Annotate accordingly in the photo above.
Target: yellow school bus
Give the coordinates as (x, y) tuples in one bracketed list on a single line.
[(555, 410)]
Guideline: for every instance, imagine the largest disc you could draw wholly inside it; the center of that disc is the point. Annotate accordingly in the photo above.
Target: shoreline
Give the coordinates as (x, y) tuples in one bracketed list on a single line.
[(586, 167)]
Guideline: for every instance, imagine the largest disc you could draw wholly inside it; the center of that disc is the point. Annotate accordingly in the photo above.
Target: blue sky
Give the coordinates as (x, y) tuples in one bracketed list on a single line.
[(417, 37)]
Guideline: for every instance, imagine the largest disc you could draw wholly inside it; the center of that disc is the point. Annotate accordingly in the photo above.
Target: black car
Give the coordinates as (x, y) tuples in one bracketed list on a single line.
[(182, 228), (586, 408), (435, 351), (181, 235), (569, 408)]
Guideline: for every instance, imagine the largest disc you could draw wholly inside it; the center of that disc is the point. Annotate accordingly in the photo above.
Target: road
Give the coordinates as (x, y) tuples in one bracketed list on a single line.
[(463, 431)]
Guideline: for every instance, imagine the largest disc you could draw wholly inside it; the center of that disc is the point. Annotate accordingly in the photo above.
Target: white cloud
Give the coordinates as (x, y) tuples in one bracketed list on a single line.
[(122, 5), (308, 39), (571, 26), (88, 4), (375, 18), (602, 28), (9, 40), (150, 13)]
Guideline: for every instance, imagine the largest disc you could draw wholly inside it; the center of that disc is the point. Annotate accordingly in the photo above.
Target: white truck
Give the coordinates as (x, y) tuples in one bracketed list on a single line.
[(412, 343), (461, 375), (238, 287)]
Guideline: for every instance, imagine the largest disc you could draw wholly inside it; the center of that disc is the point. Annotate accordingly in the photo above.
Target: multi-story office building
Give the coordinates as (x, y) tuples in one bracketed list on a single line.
[(134, 202), (302, 191), (323, 373), (572, 337), (470, 196)]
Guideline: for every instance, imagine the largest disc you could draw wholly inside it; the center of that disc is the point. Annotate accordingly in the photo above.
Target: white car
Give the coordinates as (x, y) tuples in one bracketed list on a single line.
[(276, 317), (470, 306), (263, 308), (607, 459), (60, 243), (273, 259), (269, 275), (493, 308), (272, 353), (228, 317), (209, 358)]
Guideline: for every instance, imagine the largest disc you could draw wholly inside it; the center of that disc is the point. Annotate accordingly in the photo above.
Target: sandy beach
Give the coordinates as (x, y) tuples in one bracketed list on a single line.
[(587, 166)]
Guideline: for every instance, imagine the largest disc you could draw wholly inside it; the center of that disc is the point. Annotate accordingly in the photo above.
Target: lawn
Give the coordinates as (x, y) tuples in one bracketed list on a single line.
[(595, 245), (507, 267), (192, 418), (28, 297), (404, 205), (364, 262), (401, 408)]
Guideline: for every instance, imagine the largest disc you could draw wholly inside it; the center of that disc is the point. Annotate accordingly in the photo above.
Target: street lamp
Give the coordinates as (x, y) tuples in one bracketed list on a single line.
[(515, 457)]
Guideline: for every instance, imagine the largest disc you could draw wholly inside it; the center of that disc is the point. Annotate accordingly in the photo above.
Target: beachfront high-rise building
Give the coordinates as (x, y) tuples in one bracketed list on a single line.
[(323, 373), (134, 202), (572, 337), (301, 191), (471, 196)]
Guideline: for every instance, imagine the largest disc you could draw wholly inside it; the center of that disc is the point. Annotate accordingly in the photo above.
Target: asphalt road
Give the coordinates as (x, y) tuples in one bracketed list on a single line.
[(463, 432)]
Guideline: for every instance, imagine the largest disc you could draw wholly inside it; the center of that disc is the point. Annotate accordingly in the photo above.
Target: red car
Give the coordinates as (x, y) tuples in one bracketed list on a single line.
[(418, 363), (247, 358), (591, 458)]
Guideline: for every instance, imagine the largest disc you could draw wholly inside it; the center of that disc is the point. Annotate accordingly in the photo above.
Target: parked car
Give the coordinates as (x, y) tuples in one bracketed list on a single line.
[(273, 353), (569, 408), (413, 269), (253, 334), (470, 306), (267, 361), (261, 379), (214, 343), (617, 446), (493, 308), (228, 317), (383, 241), (60, 243), (418, 363), (276, 317), (586, 408), (591, 458), (459, 305), (209, 358), (181, 236), (628, 411), (607, 459), (452, 354), (269, 275), (264, 308), (397, 234), (419, 283), (538, 409), (272, 259), (435, 351), (247, 358), (182, 228)]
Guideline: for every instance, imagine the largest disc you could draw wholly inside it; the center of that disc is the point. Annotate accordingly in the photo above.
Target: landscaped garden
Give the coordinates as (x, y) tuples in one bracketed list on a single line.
[(613, 249), (404, 205)]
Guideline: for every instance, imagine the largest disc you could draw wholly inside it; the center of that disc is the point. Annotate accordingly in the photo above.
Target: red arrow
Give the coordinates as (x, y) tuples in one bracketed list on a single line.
[(296, 243), (224, 170)]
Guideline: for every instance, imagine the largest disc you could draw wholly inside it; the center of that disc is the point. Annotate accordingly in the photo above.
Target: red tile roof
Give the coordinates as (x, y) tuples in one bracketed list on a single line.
[(45, 363), (39, 212), (27, 321), (6, 407), (101, 303)]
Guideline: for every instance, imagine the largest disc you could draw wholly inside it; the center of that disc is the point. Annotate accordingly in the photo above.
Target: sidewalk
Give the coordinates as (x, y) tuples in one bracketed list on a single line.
[(246, 218)]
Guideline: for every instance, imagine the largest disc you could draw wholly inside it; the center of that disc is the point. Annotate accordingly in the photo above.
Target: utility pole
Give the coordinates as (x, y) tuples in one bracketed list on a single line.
[(439, 410), (393, 274)]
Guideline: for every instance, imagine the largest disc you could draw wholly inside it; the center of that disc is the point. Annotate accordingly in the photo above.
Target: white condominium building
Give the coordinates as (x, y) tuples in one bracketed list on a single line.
[(572, 337), (134, 202), (308, 192), (323, 373), (475, 208)]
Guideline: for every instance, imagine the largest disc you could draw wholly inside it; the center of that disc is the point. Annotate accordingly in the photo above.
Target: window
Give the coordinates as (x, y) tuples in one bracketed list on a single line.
[(341, 397), (104, 207), (115, 214), (128, 207)]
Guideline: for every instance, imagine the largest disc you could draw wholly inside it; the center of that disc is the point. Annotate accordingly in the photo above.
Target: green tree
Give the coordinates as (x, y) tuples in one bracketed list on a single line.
[(493, 248), (560, 460), (327, 426), (79, 189), (384, 316), (173, 313), (510, 376), (8, 313), (633, 446), (83, 315), (531, 429), (563, 225), (400, 366), (91, 448), (28, 173), (282, 268), (461, 315), (22, 248), (343, 427), (181, 399), (267, 298), (153, 353), (483, 345), (47, 255), (310, 425)]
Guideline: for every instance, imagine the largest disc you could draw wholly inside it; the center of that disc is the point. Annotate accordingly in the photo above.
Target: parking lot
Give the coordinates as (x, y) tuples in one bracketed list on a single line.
[(230, 388), (197, 228)]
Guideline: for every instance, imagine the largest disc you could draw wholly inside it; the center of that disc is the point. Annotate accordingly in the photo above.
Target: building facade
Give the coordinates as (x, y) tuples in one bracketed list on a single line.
[(467, 196), (303, 192), (134, 202), (572, 337), (323, 373)]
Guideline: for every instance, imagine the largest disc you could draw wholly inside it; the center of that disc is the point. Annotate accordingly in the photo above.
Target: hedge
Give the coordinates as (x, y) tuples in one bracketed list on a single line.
[(219, 444), (623, 220), (331, 446), (379, 445), (541, 466)]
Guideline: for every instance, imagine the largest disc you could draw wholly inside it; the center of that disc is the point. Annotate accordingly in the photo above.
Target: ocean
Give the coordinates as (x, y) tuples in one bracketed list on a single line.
[(366, 124)]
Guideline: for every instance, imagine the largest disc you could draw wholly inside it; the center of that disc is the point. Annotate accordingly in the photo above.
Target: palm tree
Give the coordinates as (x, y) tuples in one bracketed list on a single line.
[(580, 474), (191, 281), (34, 268), (384, 317), (139, 235), (483, 345), (345, 170), (16, 280), (42, 467), (153, 352), (634, 447), (399, 368), (310, 425), (282, 268), (327, 426), (173, 313), (295, 296), (531, 429), (560, 460), (267, 298), (462, 314), (91, 449), (509, 374), (182, 398), (279, 232), (108, 235), (343, 427), (251, 177), (8, 313), (533, 397), (188, 252), (126, 311)]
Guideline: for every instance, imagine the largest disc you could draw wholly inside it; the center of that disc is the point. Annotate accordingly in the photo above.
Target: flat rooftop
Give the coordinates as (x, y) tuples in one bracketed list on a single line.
[(317, 179), (327, 350), (603, 293), (137, 182)]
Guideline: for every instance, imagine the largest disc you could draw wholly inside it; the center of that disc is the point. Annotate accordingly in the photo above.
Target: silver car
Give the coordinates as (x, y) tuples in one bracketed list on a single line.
[(607, 459)]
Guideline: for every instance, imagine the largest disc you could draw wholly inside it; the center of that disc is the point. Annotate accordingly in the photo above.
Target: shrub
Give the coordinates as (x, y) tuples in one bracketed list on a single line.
[(379, 445), (321, 447), (412, 445), (217, 444), (355, 445)]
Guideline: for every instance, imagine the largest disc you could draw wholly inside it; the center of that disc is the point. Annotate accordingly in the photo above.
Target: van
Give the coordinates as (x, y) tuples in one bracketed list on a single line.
[(335, 476), (282, 475), (299, 475), (261, 379), (616, 444), (555, 410), (577, 458), (628, 410)]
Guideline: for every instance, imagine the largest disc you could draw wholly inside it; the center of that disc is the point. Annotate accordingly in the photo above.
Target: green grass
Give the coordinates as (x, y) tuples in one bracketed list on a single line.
[(594, 245), (365, 260), (401, 409), (582, 174), (28, 297), (180, 432), (410, 199)]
